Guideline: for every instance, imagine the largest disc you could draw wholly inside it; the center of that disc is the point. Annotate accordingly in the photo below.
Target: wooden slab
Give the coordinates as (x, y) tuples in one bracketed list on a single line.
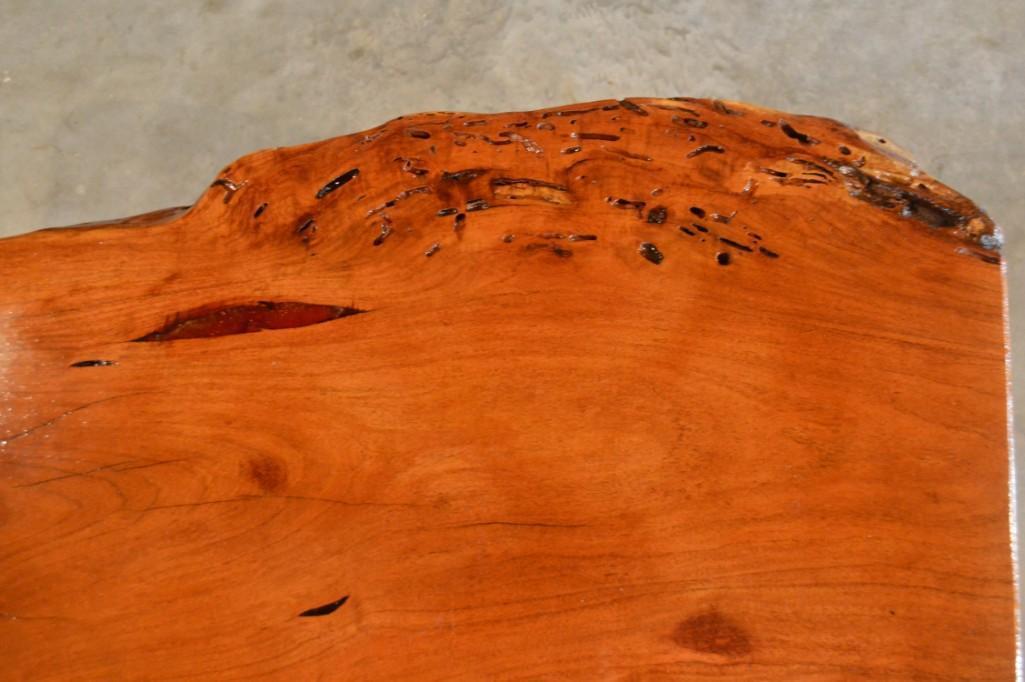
[(641, 390)]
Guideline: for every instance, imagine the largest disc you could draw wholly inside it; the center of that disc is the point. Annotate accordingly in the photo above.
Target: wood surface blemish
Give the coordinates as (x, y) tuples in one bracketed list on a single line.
[(711, 632), (245, 319), (325, 609), (268, 473)]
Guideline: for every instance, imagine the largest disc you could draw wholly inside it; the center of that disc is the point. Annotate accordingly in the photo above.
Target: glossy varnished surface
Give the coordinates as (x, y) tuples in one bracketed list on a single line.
[(649, 389)]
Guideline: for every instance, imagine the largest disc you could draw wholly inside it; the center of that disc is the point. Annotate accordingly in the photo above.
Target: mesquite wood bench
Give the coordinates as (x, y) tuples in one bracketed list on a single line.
[(640, 390)]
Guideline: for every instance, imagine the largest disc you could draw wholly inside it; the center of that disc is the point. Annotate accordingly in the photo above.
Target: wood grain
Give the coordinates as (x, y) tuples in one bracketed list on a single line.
[(638, 390)]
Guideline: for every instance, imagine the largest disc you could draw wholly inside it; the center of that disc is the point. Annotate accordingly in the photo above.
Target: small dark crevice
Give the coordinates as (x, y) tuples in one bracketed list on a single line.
[(706, 148), (723, 109), (657, 215), (259, 210), (691, 122), (307, 228), (650, 252), (569, 112), (736, 245), (408, 166), (789, 131), (337, 182), (386, 205), (820, 169), (325, 609), (383, 234), (595, 136), (626, 203), (675, 108), (632, 107), (555, 249), (462, 176), (93, 363), (502, 182)]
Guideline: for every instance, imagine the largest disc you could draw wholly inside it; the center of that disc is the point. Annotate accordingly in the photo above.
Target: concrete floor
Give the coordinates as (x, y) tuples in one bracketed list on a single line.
[(113, 108)]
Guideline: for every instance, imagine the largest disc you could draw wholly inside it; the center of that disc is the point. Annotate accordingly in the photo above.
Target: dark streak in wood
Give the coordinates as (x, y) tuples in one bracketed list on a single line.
[(736, 245), (595, 136)]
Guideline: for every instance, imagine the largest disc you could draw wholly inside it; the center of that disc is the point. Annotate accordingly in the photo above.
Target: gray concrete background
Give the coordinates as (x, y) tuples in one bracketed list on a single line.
[(113, 108)]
